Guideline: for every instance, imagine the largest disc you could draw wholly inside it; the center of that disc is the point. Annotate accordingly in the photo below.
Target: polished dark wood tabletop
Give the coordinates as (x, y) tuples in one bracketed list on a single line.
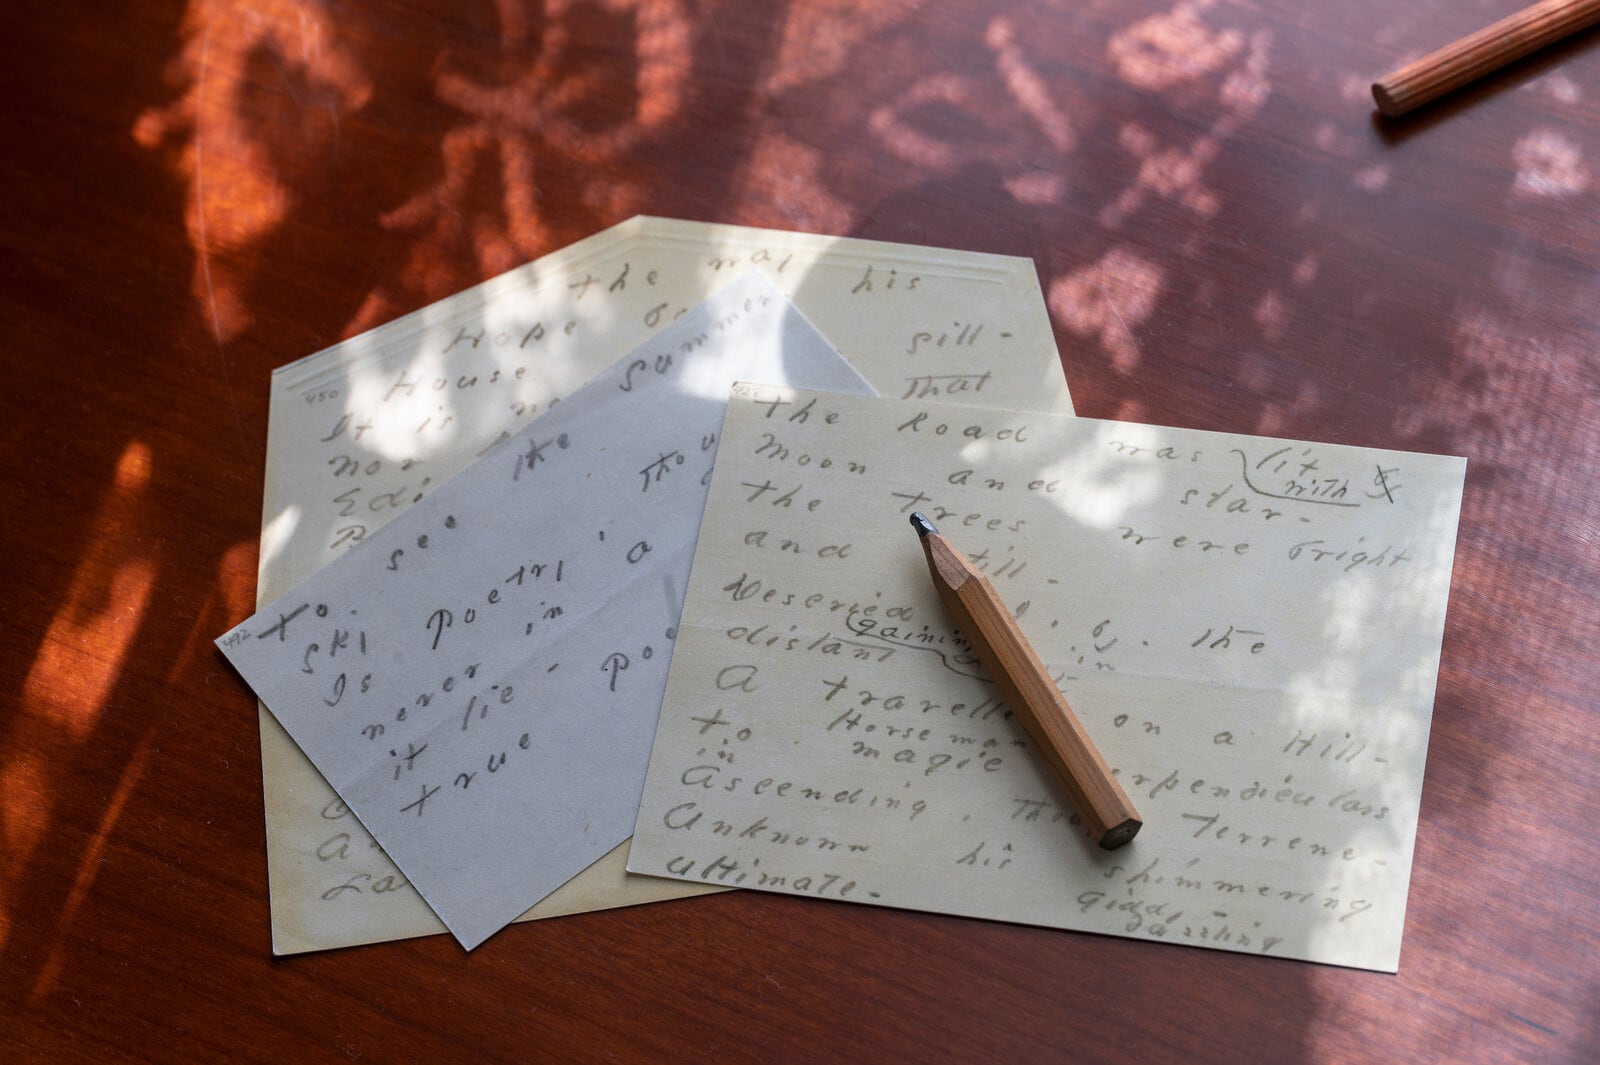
[(1227, 238)]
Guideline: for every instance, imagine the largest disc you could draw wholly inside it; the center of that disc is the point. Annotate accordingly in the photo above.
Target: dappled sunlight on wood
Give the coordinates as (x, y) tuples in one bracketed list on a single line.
[(820, 40), (784, 175), (543, 101), (1027, 88), (1176, 172), (82, 652), (1165, 50), (227, 602), (74, 670), (234, 154), (1108, 300), (889, 122), (1549, 164)]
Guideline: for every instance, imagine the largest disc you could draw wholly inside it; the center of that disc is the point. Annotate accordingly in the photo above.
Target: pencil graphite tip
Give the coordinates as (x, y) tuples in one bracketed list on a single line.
[(920, 523)]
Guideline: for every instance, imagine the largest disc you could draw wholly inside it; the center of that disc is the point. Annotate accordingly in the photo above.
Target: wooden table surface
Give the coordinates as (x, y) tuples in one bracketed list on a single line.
[(1227, 238)]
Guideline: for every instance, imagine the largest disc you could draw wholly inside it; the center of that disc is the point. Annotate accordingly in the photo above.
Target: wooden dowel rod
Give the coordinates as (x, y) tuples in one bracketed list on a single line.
[(1477, 54)]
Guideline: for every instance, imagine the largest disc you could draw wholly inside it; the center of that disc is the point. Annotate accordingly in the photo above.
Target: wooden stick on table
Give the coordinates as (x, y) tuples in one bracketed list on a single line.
[(1477, 54)]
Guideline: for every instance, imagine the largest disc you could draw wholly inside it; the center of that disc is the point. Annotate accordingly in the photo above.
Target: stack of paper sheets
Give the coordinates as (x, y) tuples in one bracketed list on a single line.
[(475, 655)]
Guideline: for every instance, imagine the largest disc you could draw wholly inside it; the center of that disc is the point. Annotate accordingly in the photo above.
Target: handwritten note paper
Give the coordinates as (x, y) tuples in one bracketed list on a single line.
[(479, 681), (1249, 628), (362, 430)]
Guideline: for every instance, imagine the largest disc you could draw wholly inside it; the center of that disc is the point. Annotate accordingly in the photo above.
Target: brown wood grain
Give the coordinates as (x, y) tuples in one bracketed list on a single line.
[(197, 191)]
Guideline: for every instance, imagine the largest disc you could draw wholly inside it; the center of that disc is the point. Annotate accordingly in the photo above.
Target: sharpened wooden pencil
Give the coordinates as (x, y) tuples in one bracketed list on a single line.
[(1028, 691)]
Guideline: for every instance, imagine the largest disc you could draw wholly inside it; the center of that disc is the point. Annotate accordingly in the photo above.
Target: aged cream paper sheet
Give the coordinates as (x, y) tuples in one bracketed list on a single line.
[(1249, 628), (362, 430)]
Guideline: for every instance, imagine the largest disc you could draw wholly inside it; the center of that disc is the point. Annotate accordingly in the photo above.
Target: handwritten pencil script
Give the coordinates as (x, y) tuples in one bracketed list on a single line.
[(479, 680), (362, 430), (1248, 628)]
